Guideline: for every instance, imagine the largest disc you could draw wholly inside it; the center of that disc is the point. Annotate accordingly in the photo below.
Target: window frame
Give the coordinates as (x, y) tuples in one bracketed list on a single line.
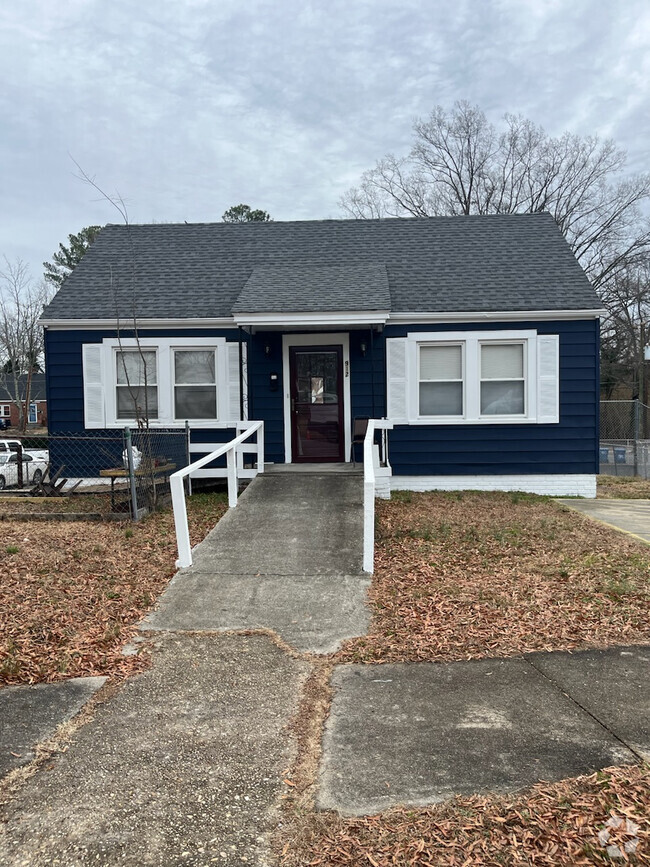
[(524, 378), (462, 380), (471, 342), (5, 410), (215, 384), (165, 347), (115, 384)]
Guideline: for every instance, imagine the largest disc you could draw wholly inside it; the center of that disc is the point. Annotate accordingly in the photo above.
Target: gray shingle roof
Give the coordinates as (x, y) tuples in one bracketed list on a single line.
[(314, 288), (504, 262)]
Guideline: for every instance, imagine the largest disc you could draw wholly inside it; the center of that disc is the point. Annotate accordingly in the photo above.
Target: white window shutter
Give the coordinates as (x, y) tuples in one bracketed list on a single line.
[(233, 412), (94, 412), (397, 409), (548, 378)]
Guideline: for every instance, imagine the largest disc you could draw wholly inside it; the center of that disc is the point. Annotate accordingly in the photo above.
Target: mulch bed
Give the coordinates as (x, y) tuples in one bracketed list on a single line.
[(551, 825), (72, 594), (471, 575)]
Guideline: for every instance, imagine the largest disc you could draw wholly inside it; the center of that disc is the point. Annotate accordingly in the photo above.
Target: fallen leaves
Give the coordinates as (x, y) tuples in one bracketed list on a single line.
[(552, 824), (471, 575), (73, 593)]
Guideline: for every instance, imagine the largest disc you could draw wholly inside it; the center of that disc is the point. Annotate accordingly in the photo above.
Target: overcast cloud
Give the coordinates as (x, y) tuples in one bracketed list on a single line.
[(186, 107)]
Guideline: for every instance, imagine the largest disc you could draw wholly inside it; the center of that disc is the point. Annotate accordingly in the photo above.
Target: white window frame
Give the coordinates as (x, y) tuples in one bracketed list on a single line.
[(5, 410), (215, 384), (471, 342), (526, 378), (114, 363), (422, 344), (165, 347)]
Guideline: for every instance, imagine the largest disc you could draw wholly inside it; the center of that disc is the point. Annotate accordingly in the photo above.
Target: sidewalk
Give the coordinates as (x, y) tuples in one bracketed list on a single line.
[(186, 763)]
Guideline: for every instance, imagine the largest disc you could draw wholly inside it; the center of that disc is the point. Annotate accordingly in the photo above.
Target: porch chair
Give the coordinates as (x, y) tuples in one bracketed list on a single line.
[(359, 429)]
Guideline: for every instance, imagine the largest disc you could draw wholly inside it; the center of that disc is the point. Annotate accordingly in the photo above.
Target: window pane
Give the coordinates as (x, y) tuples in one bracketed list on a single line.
[(131, 402), (502, 361), (195, 401), (502, 398), (131, 368), (441, 398), (194, 366), (441, 362)]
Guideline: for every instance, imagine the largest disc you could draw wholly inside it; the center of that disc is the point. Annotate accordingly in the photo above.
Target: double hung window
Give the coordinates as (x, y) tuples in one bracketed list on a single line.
[(441, 380), (136, 384), (503, 381), (473, 377), (195, 383)]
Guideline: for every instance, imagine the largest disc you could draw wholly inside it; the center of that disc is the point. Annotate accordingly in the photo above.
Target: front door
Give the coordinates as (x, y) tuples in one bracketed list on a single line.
[(317, 431)]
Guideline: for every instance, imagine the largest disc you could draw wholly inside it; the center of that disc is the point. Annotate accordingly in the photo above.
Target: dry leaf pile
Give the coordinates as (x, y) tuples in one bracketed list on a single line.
[(71, 594), (567, 823), (470, 575), (623, 487)]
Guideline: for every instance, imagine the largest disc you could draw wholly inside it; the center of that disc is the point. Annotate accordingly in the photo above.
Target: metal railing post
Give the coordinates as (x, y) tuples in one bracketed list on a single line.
[(131, 468)]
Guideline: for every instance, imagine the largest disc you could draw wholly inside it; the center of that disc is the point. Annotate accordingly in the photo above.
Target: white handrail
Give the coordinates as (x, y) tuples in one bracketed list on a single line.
[(369, 490), (178, 494)]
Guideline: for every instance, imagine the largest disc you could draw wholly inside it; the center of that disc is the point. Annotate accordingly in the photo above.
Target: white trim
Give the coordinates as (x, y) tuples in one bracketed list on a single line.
[(165, 347), (366, 317), (549, 484), (488, 316), (371, 317), (333, 339), (471, 342), (125, 324)]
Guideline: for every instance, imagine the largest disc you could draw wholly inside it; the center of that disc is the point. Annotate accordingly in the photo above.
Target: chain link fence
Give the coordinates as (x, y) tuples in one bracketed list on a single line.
[(625, 438), (120, 472)]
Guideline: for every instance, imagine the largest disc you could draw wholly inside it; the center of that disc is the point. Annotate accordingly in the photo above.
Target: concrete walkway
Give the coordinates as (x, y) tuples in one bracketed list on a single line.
[(629, 516), (420, 733), (288, 558), (182, 767)]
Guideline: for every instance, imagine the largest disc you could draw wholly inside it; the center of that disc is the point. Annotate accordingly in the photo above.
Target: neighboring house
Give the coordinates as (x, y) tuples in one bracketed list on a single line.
[(37, 409), (477, 336)]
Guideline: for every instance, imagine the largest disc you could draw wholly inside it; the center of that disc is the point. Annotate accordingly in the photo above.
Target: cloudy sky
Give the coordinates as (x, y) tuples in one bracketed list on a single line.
[(186, 107)]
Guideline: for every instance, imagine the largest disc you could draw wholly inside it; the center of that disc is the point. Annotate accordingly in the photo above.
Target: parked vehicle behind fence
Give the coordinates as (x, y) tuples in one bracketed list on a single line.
[(34, 469)]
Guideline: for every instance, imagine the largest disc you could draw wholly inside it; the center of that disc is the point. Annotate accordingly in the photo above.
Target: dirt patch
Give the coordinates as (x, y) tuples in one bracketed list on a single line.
[(622, 487), (72, 594), (471, 575), (551, 825)]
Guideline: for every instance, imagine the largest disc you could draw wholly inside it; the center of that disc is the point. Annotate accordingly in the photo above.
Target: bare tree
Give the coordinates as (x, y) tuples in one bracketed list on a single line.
[(21, 335), (461, 164), (625, 333)]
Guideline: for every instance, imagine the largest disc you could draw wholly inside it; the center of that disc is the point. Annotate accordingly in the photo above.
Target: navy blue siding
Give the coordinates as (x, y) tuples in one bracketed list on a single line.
[(567, 447), (264, 404), (64, 366)]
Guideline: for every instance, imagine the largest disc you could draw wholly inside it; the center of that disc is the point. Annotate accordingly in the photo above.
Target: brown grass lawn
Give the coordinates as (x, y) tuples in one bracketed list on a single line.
[(623, 487), (470, 575), (467, 575), (71, 594), (551, 825)]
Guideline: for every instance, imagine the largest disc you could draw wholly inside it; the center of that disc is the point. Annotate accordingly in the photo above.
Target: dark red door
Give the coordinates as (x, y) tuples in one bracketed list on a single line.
[(317, 432)]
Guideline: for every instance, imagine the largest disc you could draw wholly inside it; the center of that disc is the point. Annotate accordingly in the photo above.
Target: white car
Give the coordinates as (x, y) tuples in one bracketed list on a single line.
[(34, 469)]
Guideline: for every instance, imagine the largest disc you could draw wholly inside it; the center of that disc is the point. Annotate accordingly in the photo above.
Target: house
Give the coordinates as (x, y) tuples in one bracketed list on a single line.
[(477, 336), (37, 409)]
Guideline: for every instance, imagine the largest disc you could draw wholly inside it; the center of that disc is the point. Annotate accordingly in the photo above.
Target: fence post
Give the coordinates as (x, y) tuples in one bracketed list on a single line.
[(131, 468), (637, 435)]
